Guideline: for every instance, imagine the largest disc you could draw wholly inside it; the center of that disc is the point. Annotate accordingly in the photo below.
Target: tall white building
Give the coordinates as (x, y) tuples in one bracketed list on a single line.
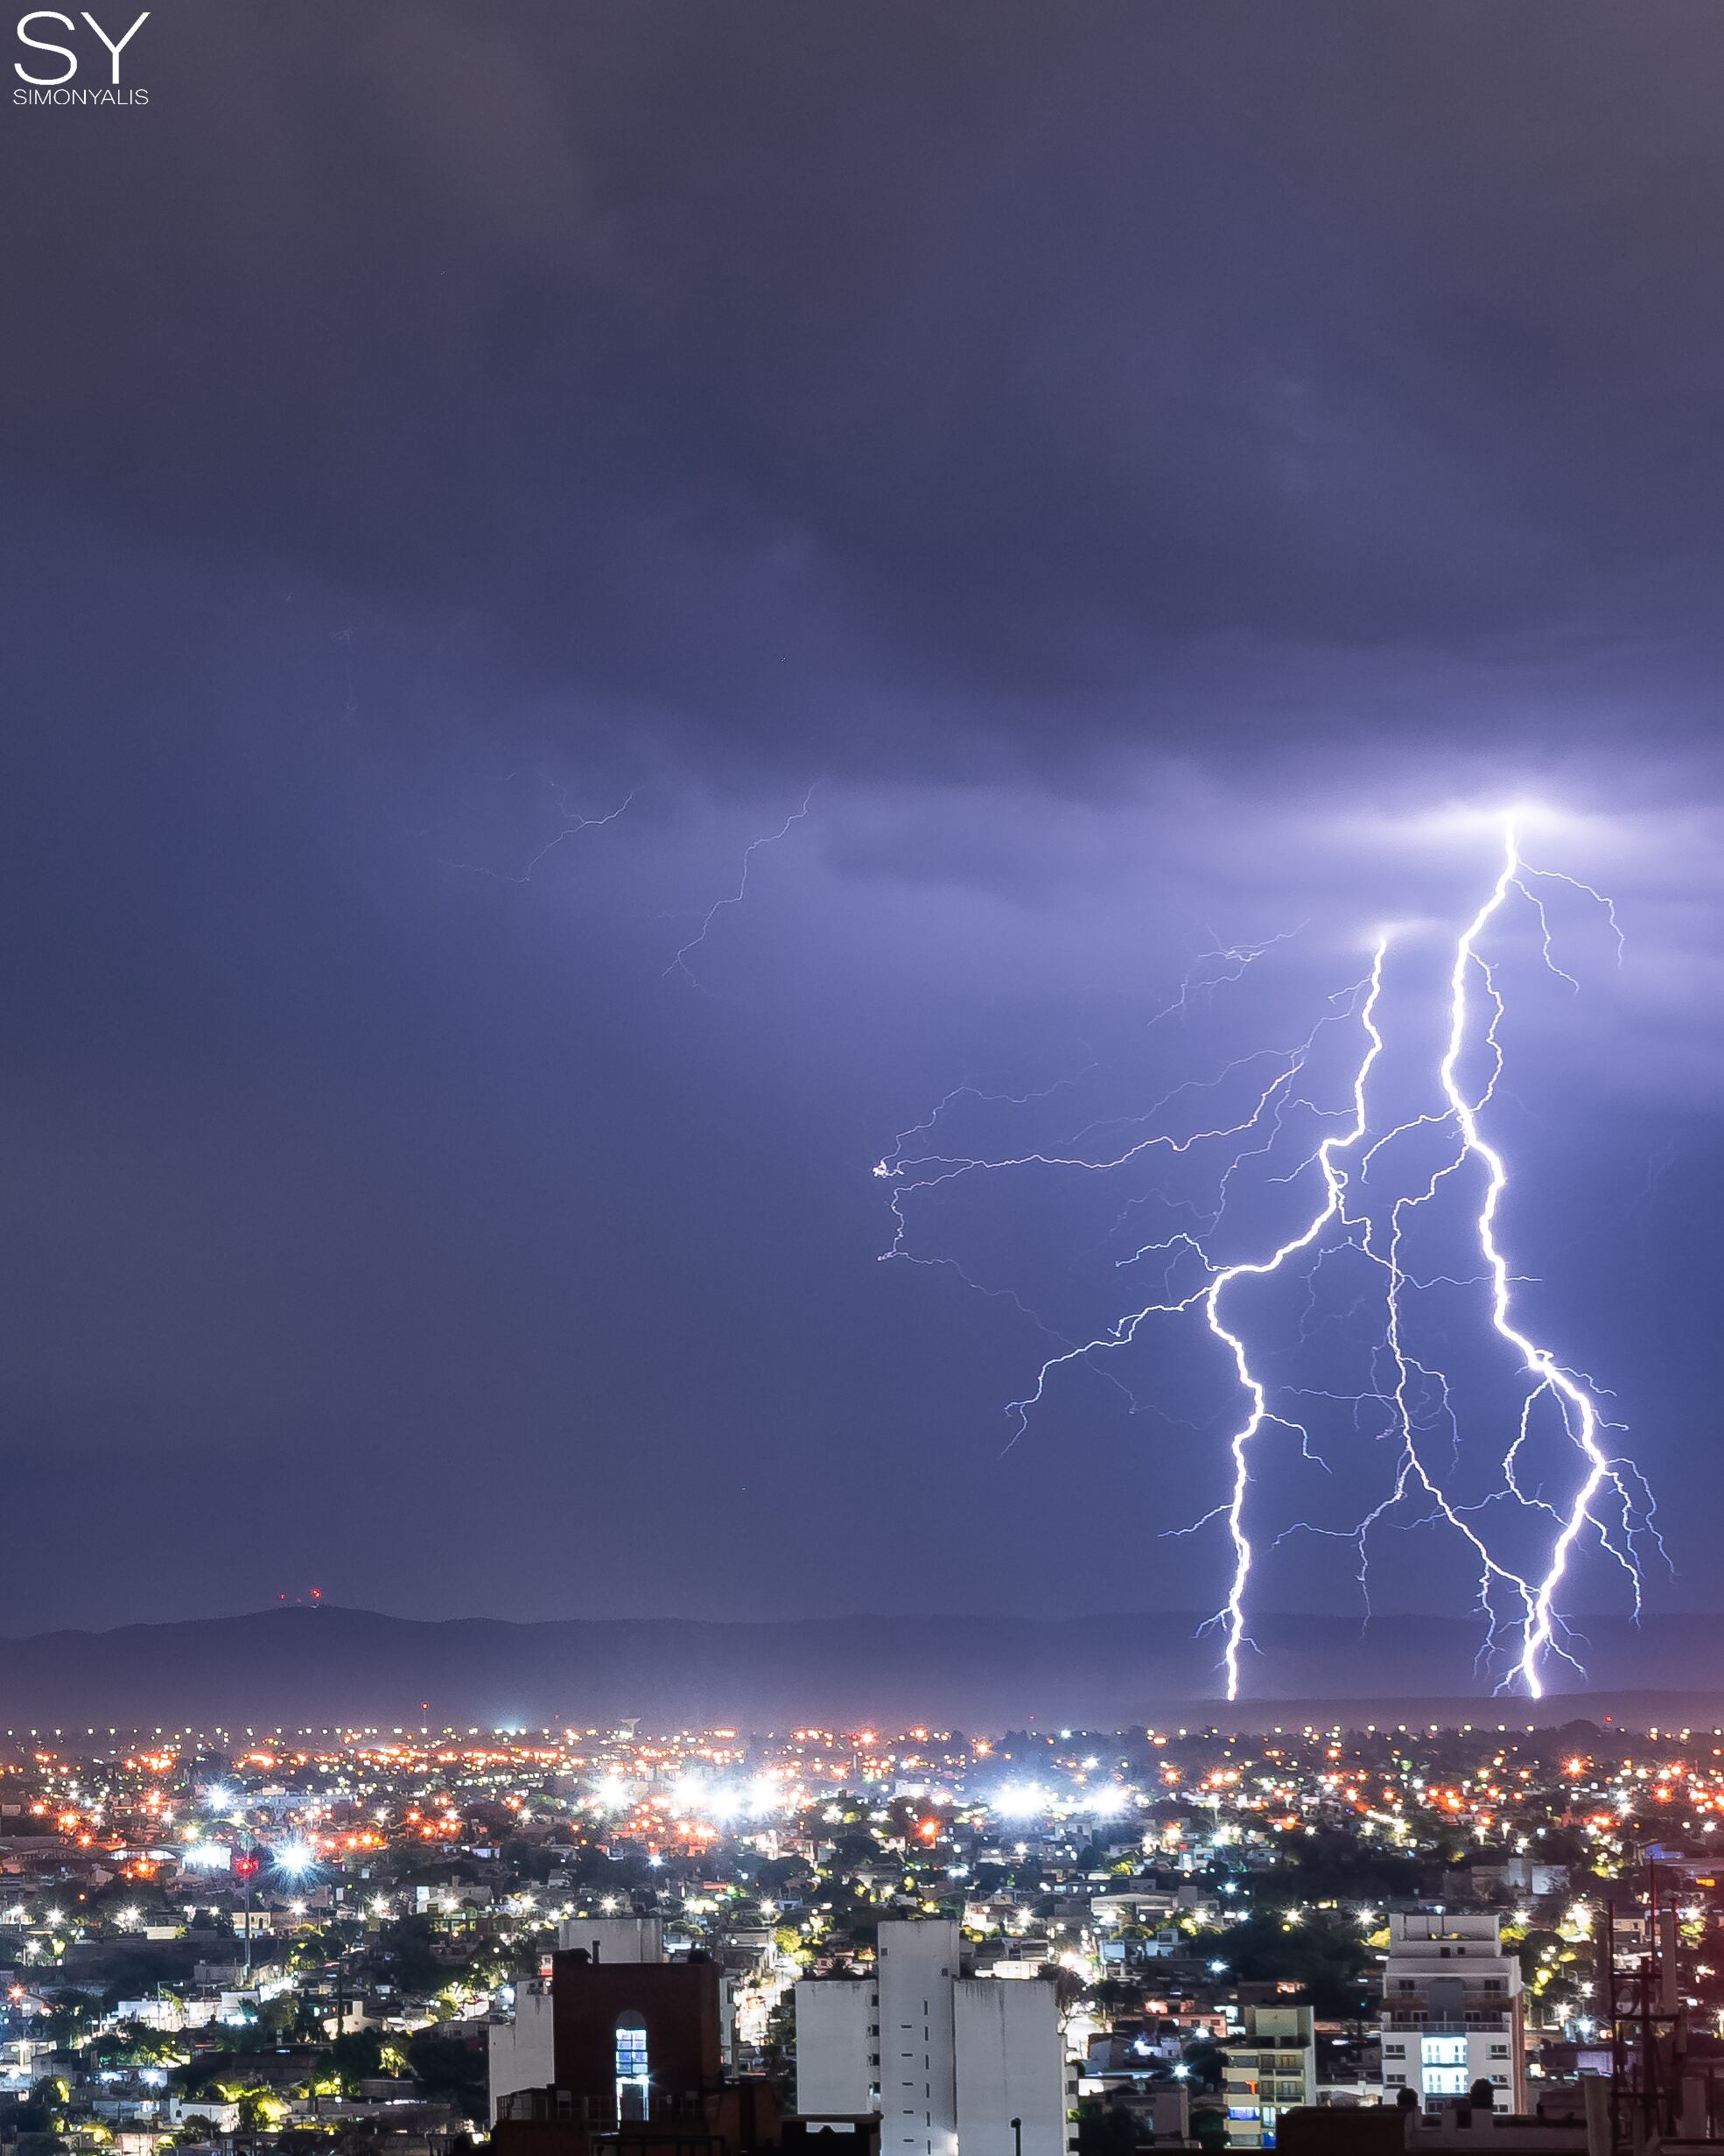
[(947, 2060), (520, 2054), (1451, 2010)]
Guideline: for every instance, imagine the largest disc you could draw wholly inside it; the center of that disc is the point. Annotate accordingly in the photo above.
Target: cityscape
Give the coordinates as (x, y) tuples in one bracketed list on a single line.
[(383, 1940)]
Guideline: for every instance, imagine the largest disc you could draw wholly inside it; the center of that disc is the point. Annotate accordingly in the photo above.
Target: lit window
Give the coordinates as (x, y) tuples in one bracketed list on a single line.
[(631, 2064)]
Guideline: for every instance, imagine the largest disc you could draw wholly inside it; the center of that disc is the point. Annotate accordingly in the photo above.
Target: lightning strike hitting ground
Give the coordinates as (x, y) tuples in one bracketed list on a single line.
[(1523, 1543)]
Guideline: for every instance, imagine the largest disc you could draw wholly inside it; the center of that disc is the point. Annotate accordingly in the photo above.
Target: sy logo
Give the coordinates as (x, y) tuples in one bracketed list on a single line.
[(66, 52)]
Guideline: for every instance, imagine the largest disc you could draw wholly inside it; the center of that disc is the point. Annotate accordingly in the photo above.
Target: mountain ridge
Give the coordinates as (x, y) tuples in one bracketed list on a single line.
[(330, 1665)]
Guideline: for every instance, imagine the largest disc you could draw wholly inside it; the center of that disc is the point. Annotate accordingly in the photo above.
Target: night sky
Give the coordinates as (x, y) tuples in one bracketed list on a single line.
[(1144, 476)]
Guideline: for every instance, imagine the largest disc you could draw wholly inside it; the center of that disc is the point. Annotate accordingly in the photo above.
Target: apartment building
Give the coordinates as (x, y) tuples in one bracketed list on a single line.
[(1452, 2013), (953, 2064), (1270, 2067)]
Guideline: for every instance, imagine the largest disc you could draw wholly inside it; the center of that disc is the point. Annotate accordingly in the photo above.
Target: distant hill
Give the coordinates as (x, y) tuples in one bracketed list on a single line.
[(318, 1668)]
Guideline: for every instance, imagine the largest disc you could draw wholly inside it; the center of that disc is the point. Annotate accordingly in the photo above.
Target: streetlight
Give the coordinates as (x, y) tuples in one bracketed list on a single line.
[(247, 1865)]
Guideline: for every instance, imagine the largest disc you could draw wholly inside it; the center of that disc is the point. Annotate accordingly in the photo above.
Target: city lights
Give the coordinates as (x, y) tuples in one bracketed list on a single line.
[(1145, 1862)]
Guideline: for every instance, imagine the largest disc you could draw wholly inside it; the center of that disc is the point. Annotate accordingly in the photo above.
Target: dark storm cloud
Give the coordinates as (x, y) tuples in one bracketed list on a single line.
[(1147, 465), (792, 374)]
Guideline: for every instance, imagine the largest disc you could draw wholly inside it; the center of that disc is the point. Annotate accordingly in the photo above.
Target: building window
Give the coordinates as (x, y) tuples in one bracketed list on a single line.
[(631, 2066)]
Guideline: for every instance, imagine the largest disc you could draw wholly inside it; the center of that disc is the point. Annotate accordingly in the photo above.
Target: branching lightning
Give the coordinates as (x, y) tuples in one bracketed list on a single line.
[(573, 823), (1366, 1189)]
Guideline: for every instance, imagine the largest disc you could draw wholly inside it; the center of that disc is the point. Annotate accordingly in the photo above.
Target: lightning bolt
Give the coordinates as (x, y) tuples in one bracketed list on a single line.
[(1359, 1203), (1580, 1414), (572, 825), (1333, 1188), (679, 964)]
